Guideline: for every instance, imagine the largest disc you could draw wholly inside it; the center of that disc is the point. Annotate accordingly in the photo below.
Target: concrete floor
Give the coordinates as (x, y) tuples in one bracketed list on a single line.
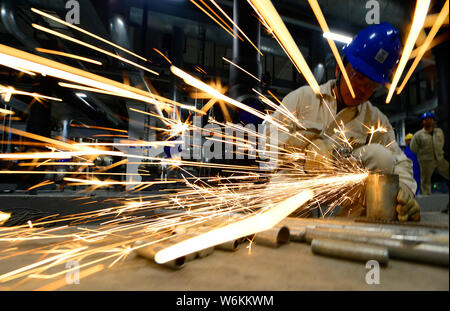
[(290, 267)]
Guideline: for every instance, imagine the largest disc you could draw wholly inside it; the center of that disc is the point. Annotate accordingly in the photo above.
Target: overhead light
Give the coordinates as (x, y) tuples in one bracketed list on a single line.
[(337, 37), (81, 95)]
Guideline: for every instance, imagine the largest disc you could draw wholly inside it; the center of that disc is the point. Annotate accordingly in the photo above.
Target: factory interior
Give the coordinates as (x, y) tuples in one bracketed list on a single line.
[(224, 145)]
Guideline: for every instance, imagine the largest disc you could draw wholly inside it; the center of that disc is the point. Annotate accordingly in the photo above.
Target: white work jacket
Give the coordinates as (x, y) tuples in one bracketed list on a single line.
[(427, 146), (320, 120)]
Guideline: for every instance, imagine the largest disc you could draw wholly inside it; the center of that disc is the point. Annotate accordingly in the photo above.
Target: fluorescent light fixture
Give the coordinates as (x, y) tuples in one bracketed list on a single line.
[(337, 37), (81, 95)]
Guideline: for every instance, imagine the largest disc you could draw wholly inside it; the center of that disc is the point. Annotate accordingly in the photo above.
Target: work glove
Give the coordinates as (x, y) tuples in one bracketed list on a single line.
[(319, 156), (407, 206)]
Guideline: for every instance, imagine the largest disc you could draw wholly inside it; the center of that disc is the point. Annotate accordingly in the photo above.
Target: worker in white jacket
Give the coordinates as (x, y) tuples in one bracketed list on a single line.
[(428, 144), (369, 61)]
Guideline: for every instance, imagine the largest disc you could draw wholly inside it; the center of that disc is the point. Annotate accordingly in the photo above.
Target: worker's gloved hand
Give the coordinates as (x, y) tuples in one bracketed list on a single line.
[(319, 156), (407, 206)]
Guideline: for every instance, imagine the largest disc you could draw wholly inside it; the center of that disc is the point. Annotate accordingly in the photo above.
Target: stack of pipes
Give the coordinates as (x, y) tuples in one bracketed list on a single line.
[(362, 242)]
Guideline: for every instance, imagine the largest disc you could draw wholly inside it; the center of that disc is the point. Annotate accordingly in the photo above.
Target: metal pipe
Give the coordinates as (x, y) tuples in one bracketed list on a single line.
[(190, 257), (381, 196), (232, 245), (149, 252), (297, 234), (350, 250), (350, 224), (411, 238), (274, 237), (205, 252), (407, 250)]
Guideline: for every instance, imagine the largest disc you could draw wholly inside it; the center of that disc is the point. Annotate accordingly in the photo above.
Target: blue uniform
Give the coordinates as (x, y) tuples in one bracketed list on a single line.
[(416, 168)]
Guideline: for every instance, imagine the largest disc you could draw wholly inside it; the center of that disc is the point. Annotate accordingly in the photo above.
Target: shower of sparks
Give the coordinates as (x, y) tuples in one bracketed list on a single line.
[(430, 20), (235, 230), (4, 217), (5, 111), (221, 24), (84, 59), (323, 24), (85, 32), (220, 18), (11, 57), (215, 207), (24, 71), (443, 15), (235, 25), (242, 69), (90, 46), (202, 211), (162, 54), (250, 243), (437, 40), (373, 130), (419, 18), (8, 91), (270, 16), (216, 94)]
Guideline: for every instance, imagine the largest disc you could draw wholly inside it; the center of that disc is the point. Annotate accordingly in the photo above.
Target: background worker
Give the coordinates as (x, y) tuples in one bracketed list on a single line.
[(428, 145), (412, 156), (370, 59)]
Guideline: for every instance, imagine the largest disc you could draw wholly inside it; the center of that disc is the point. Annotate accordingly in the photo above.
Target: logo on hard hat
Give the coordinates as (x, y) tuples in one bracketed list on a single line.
[(381, 56)]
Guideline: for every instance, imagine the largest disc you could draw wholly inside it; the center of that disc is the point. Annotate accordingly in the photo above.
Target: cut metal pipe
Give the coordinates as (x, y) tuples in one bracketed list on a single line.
[(205, 252), (191, 256), (274, 237), (231, 246), (381, 196), (406, 250), (149, 252), (297, 234), (350, 250)]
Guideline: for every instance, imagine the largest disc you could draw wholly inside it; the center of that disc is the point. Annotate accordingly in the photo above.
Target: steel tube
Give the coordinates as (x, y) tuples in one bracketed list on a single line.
[(381, 196), (232, 245), (407, 238), (149, 252), (273, 237), (431, 235), (297, 234), (205, 252), (406, 250), (350, 250)]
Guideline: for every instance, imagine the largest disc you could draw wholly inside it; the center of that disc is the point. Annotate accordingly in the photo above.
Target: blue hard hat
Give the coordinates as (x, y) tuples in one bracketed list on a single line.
[(427, 114), (375, 51)]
